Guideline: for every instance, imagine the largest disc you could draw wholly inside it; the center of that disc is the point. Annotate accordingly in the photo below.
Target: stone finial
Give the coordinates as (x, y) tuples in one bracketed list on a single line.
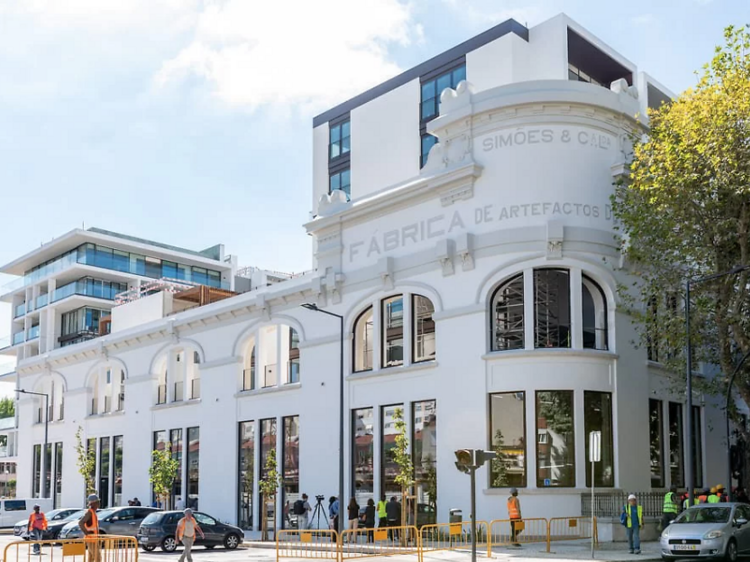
[(332, 203), (451, 100), (620, 86)]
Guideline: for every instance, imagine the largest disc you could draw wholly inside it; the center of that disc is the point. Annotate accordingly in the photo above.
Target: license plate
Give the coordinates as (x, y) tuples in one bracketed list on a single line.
[(685, 546)]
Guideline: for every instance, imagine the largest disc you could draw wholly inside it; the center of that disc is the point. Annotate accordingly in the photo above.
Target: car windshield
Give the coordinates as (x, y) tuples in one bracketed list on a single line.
[(705, 515), (75, 515), (151, 518)]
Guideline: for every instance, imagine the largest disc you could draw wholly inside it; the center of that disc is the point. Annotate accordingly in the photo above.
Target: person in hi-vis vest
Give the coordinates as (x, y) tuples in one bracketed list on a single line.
[(89, 524), (514, 514)]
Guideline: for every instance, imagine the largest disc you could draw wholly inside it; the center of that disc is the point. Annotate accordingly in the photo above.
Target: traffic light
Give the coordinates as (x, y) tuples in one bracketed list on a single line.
[(464, 460), (481, 457)]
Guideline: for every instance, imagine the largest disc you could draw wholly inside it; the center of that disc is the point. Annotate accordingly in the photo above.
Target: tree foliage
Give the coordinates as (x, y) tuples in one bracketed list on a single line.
[(163, 472), (86, 462), (7, 408), (402, 458), (684, 212), (269, 489)]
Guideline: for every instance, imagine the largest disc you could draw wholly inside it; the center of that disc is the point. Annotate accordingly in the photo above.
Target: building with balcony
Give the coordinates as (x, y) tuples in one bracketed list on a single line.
[(462, 228)]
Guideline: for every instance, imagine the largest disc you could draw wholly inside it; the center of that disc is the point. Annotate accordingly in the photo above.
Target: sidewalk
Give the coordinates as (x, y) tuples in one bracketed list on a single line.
[(580, 550)]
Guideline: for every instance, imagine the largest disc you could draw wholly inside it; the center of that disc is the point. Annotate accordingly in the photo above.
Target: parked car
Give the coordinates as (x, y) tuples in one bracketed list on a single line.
[(708, 531), (158, 529), (123, 521), (56, 520)]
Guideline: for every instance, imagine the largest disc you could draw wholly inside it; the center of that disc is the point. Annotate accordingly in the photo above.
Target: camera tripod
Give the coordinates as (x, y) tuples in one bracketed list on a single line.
[(317, 512)]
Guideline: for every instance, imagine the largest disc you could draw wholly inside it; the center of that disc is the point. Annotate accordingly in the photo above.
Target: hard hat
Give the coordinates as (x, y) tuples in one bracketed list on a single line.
[(713, 490), (37, 506), (513, 491), (719, 487), (93, 498), (188, 511), (632, 497)]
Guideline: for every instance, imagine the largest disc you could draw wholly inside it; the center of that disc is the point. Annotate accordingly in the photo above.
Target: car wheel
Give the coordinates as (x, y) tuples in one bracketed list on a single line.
[(169, 544), (148, 547), (232, 541), (731, 554)]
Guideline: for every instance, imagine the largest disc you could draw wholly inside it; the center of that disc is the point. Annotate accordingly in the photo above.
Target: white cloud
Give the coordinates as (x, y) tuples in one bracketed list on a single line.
[(294, 52)]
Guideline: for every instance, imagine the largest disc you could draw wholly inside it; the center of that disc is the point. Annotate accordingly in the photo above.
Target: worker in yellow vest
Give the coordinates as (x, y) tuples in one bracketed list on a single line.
[(713, 497), (382, 515), (671, 507)]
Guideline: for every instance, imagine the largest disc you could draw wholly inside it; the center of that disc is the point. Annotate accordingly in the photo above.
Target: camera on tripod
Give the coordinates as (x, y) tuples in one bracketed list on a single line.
[(320, 498)]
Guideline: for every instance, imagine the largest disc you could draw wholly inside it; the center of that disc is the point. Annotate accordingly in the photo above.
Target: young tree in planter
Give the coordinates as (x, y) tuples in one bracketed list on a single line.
[(269, 488), (86, 462), (402, 458), (162, 473), (684, 213)]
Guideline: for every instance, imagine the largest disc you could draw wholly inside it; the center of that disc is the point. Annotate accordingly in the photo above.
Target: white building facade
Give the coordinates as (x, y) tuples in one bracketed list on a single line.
[(462, 227)]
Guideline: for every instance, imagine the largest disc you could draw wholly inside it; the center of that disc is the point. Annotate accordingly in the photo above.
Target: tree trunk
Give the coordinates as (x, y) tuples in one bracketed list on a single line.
[(263, 519)]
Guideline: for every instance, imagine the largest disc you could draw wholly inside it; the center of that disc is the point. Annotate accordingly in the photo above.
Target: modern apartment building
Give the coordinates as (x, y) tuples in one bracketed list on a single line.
[(462, 228)]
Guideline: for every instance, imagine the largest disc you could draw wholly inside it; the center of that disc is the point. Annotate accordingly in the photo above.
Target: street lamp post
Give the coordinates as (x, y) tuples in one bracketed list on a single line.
[(314, 308), (42, 467), (726, 412), (689, 476)]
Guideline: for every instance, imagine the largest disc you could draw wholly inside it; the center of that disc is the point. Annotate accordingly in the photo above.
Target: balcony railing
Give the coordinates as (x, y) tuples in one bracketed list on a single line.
[(18, 338), (269, 376), (195, 389), (39, 415), (120, 401), (178, 392), (293, 369), (20, 310), (83, 288), (107, 404), (161, 394), (94, 406), (248, 379), (33, 333), (62, 411), (42, 300)]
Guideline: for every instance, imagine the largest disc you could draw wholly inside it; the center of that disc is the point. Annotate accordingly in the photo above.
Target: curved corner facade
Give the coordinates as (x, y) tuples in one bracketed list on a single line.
[(477, 274)]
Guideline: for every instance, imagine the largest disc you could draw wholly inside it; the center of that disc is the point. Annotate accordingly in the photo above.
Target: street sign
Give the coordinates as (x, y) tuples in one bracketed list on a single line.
[(595, 446)]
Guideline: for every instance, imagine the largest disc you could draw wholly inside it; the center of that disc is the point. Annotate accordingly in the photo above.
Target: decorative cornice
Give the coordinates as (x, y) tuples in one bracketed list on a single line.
[(230, 360)]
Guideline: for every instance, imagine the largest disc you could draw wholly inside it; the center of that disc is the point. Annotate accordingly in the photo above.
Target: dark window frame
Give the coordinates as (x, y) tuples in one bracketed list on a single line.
[(493, 319), (355, 347), (414, 329), (491, 447)]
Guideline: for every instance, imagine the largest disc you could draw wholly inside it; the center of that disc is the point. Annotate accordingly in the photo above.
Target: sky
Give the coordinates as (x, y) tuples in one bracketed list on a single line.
[(189, 122)]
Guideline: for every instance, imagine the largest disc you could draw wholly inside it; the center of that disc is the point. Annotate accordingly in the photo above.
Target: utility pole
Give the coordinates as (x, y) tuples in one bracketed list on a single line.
[(468, 461)]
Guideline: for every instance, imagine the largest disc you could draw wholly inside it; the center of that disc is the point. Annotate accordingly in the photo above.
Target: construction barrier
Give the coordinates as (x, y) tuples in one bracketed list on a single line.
[(100, 548), (571, 529), (526, 531), (386, 541), (313, 543), (453, 536)]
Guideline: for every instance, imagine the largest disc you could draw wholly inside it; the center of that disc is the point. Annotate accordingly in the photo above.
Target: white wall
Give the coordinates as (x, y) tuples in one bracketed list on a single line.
[(141, 311), (320, 164)]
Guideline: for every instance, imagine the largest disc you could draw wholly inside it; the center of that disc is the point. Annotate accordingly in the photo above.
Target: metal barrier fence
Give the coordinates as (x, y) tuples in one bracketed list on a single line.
[(317, 543), (364, 543), (101, 548), (610, 504), (453, 536), (526, 531), (571, 529)]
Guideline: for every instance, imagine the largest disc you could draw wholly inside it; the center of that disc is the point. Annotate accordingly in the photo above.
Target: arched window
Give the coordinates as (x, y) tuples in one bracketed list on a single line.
[(161, 385), (193, 376), (363, 341), (507, 315), (248, 372), (594, 305), (551, 308), (271, 357), (107, 390), (423, 348), (293, 370), (392, 316), (52, 386)]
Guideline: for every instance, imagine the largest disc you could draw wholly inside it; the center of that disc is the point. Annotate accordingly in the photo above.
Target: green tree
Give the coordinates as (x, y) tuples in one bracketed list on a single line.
[(163, 472), (7, 408), (402, 458), (269, 489), (684, 212), (499, 463), (86, 462)]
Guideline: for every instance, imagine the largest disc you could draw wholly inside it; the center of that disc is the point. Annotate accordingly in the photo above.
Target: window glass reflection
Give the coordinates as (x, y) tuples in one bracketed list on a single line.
[(363, 450), (393, 331), (597, 416), (555, 446), (508, 438)]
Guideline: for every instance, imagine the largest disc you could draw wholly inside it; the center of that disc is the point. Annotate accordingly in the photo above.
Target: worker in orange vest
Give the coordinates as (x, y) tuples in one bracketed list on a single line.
[(514, 514), (704, 496), (36, 527), (89, 524)]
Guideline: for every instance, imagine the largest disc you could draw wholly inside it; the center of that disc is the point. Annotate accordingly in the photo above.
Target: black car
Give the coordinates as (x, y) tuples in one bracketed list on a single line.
[(56, 520), (159, 529)]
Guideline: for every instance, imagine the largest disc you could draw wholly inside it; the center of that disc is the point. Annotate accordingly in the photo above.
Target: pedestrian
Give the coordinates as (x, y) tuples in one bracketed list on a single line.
[(670, 509), (130, 503), (720, 492), (333, 512), (370, 519), (353, 515), (301, 509), (382, 516), (179, 505), (36, 527), (136, 501), (186, 528), (393, 514), (514, 514), (633, 521), (686, 502), (89, 525), (704, 495)]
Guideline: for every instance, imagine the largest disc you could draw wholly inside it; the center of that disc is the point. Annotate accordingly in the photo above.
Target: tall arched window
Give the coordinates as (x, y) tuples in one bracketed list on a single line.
[(248, 371), (423, 348), (392, 316), (194, 376), (594, 305), (507, 315), (551, 308), (363, 341), (107, 390)]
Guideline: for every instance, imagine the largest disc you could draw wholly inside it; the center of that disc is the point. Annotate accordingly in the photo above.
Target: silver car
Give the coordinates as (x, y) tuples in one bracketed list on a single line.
[(712, 530)]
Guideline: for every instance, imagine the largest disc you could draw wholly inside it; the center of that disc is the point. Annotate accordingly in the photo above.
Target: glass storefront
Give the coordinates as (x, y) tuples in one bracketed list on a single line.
[(424, 459), (597, 416), (47, 471), (175, 440), (555, 439), (676, 456), (388, 467), (246, 474), (267, 444), (290, 466), (508, 439), (37, 470), (656, 442), (363, 451), (58, 473), (117, 471), (104, 466), (697, 447), (193, 467)]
